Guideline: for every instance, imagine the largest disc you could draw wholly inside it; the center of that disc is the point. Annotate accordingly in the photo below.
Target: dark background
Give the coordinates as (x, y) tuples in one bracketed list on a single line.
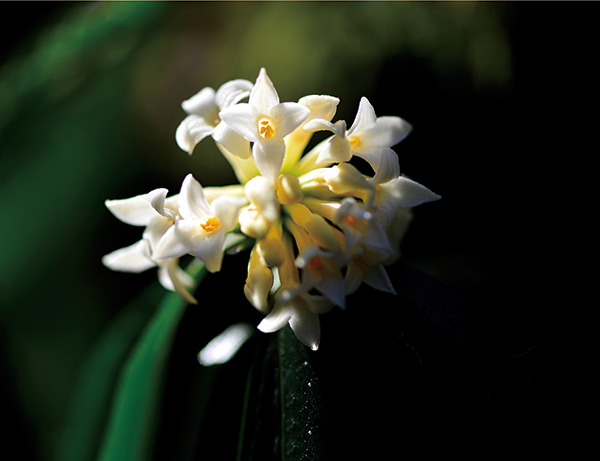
[(496, 92)]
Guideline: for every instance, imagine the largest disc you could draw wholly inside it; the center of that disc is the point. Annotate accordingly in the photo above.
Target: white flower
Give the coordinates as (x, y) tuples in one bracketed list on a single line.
[(203, 119), (294, 305), (158, 214), (319, 231), (201, 229), (265, 122), (398, 193), (367, 138)]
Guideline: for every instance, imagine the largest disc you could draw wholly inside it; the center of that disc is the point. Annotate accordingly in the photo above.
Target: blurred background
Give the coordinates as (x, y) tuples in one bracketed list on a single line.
[(90, 99)]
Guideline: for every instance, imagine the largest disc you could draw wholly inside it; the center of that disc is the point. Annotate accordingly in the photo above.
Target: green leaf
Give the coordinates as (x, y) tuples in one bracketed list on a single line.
[(303, 422), (81, 435), (283, 417), (133, 415)]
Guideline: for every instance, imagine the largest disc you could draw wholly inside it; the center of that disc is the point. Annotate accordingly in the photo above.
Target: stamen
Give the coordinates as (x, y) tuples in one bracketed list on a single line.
[(354, 141), (210, 224), (265, 129)]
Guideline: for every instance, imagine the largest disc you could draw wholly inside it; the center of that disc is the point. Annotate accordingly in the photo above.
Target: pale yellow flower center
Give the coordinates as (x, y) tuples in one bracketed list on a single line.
[(265, 129), (210, 224), (354, 141)]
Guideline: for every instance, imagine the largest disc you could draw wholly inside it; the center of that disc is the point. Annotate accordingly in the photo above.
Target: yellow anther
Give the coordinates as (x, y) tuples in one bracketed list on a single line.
[(265, 129), (354, 141), (210, 224)]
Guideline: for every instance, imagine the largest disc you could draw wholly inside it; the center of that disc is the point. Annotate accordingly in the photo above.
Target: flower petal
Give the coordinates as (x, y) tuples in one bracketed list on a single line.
[(175, 242), (287, 117), (209, 249), (387, 132), (263, 95), (191, 201), (321, 106), (231, 140), (279, 316), (156, 229), (410, 193), (136, 211), (365, 117), (306, 326), (226, 208), (268, 155), (242, 118), (134, 258), (385, 165), (191, 131), (232, 92), (377, 277), (202, 103), (156, 198), (173, 277)]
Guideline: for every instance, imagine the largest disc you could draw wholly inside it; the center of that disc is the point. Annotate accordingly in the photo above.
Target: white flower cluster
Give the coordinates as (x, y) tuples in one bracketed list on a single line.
[(321, 227)]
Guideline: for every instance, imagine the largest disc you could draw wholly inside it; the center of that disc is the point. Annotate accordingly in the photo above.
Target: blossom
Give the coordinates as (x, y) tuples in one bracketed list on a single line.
[(265, 122), (157, 214), (319, 226), (201, 228), (203, 118), (368, 137)]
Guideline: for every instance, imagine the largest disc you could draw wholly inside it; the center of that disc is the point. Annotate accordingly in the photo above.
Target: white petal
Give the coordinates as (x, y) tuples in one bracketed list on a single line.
[(242, 118), (278, 318), (287, 117), (174, 243), (134, 258), (156, 229), (191, 201), (156, 198), (231, 140), (209, 249), (411, 193), (377, 277), (202, 103), (353, 278), (136, 211), (263, 95), (232, 92), (307, 327), (337, 150), (319, 124), (365, 117), (387, 132), (268, 155), (332, 287), (185, 139), (226, 209), (320, 106), (387, 166), (172, 277)]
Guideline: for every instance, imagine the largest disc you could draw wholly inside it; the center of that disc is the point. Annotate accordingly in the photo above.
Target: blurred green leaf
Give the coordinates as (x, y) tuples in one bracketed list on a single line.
[(90, 402), (133, 417)]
